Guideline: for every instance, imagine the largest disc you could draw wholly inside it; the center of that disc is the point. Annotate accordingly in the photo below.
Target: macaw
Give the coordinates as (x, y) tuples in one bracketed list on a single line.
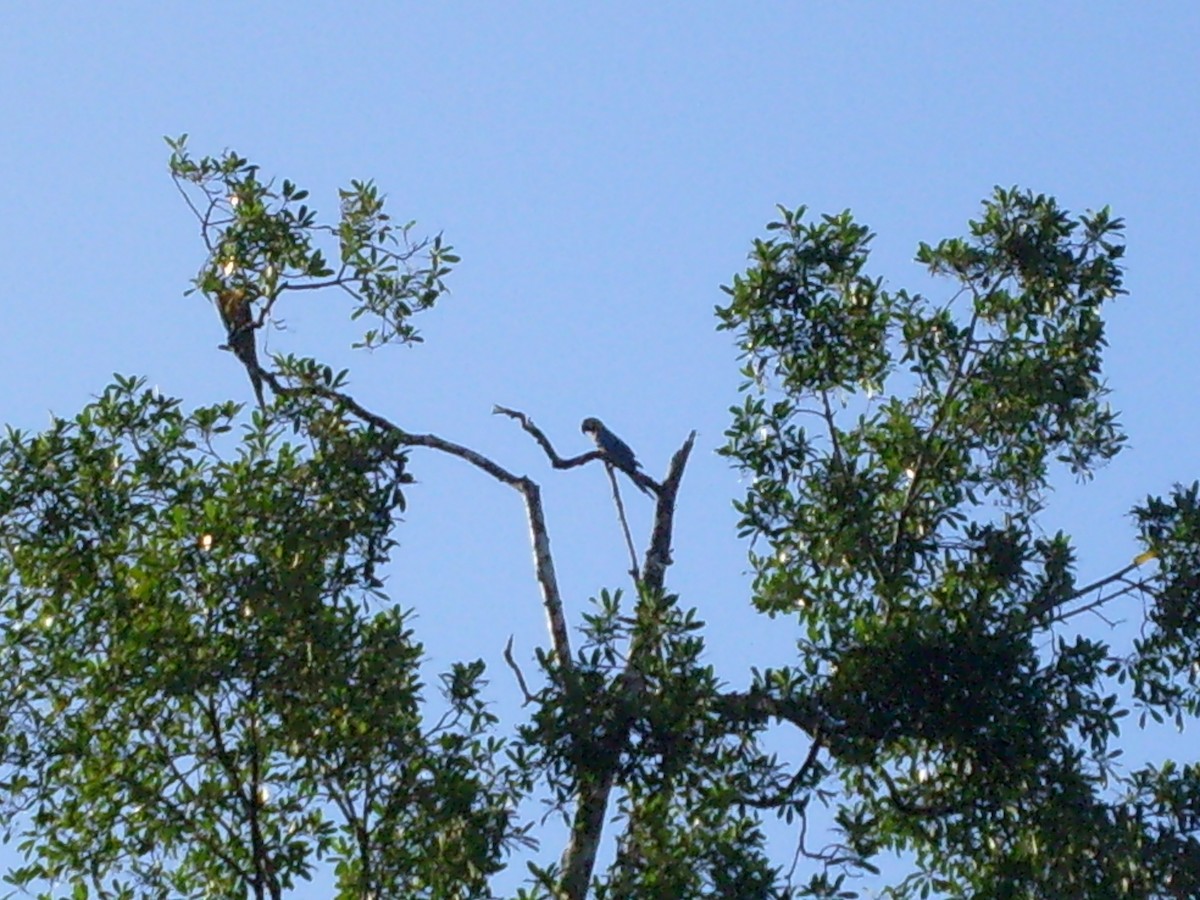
[(616, 452), (234, 307)]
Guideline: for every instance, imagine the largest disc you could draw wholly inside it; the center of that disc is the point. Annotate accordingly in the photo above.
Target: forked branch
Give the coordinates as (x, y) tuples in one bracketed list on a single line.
[(538, 534)]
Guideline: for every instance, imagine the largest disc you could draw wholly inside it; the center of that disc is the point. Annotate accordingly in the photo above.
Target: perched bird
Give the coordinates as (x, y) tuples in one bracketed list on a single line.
[(234, 305), (616, 453)]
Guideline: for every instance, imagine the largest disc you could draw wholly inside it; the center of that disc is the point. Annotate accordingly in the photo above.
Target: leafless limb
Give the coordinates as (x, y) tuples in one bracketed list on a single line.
[(641, 479), (633, 564), (556, 461), (579, 857), (827, 856), (1050, 604), (658, 555), (531, 493)]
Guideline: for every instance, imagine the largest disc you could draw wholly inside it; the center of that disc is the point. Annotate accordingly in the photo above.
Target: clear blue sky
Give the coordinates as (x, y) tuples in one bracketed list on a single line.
[(602, 171)]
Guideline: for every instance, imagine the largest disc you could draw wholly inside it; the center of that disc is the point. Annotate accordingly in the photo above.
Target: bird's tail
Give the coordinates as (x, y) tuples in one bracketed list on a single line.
[(645, 484), (241, 342)]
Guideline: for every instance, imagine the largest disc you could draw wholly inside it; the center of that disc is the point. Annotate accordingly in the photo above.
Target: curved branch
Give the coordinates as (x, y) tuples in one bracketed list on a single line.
[(512, 664), (785, 793), (556, 461), (920, 810), (529, 490), (579, 857), (755, 707), (641, 479)]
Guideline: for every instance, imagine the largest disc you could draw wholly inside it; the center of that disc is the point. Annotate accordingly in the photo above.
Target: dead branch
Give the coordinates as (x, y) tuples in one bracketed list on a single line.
[(641, 479), (579, 857), (538, 535), (556, 461), (633, 566), (1051, 604), (658, 556), (785, 793)]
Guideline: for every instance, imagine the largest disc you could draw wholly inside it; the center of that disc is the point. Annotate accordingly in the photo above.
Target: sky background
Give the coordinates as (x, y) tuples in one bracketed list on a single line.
[(601, 170)]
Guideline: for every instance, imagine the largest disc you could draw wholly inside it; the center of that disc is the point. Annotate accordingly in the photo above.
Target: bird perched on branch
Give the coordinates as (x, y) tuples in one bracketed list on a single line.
[(617, 453), (233, 303)]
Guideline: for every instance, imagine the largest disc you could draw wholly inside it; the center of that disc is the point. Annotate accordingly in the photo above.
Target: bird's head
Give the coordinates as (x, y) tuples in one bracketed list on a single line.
[(591, 425)]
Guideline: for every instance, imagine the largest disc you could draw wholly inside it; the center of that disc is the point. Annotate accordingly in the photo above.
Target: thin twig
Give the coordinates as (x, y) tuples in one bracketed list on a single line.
[(633, 564), (538, 435), (1052, 603), (784, 794)]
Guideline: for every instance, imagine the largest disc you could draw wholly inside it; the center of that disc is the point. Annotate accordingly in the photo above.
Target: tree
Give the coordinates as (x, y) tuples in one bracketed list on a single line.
[(964, 724), (211, 695)]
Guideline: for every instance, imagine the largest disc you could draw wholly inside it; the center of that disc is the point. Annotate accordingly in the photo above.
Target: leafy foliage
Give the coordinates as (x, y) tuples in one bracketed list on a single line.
[(266, 242), (683, 776), (210, 692), (200, 700), (901, 527)]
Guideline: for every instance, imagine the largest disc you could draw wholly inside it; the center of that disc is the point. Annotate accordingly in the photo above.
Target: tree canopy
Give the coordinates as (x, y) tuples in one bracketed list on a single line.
[(211, 693)]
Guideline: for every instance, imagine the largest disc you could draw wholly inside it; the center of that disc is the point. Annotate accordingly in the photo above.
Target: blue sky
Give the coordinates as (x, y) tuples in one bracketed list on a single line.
[(601, 169)]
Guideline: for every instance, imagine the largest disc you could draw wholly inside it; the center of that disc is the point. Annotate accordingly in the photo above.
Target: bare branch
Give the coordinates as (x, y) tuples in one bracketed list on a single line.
[(658, 556), (1052, 603), (641, 479), (556, 461), (187, 198), (529, 490), (633, 566), (337, 281), (786, 792)]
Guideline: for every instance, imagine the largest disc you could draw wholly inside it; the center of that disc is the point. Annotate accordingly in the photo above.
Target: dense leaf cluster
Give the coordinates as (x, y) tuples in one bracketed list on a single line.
[(199, 698), (899, 451)]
